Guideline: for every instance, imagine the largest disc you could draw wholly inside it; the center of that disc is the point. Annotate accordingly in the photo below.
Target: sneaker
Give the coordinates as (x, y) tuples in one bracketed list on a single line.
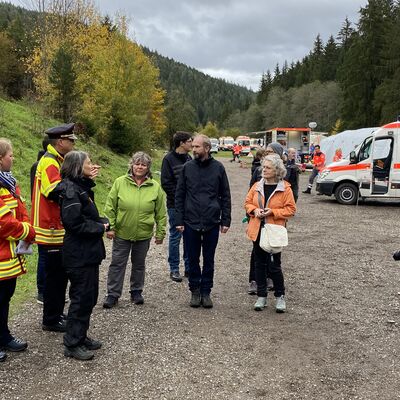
[(307, 191), (3, 356), (252, 288), (280, 304), (206, 301), (60, 326), (79, 352), (260, 304), (136, 297), (270, 284), (175, 276), (39, 298), (195, 301), (110, 302), (92, 344), (16, 345)]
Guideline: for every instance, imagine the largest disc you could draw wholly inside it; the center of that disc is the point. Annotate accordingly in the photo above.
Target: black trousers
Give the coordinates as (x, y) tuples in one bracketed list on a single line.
[(55, 284), (266, 263), (7, 289), (83, 294)]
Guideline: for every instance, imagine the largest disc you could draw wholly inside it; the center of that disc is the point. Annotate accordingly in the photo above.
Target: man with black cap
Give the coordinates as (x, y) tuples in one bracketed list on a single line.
[(46, 220)]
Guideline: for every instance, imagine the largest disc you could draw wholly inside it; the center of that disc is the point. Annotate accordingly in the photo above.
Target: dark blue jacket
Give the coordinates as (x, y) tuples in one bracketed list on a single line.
[(203, 197)]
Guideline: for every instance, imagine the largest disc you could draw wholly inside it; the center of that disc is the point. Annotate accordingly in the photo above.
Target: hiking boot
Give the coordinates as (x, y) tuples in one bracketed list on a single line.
[(16, 345), (39, 298), (260, 303), (270, 284), (110, 302), (195, 301), (206, 301), (175, 276), (252, 288), (78, 352), (307, 191), (3, 356), (60, 326), (280, 306), (92, 344), (136, 297)]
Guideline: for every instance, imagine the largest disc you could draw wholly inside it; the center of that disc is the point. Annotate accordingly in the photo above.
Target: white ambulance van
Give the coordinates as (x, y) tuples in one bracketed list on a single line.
[(372, 170)]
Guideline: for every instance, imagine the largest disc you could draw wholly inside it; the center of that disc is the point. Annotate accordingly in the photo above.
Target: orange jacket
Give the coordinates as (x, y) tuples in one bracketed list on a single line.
[(237, 149), (14, 226), (45, 212), (281, 203), (319, 160)]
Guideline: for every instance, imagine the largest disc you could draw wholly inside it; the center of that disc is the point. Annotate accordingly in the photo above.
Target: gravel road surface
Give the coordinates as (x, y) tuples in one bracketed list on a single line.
[(338, 340)]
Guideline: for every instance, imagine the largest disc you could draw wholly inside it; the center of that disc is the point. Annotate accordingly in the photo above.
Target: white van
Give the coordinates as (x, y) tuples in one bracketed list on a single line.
[(372, 170)]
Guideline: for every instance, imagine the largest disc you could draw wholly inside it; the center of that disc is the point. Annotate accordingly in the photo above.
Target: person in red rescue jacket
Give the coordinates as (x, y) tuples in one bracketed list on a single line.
[(319, 163), (15, 231)]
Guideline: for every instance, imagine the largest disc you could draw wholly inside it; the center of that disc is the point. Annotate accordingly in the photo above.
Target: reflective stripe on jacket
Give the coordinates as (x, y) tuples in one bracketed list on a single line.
[(14, 226), (45, 212)]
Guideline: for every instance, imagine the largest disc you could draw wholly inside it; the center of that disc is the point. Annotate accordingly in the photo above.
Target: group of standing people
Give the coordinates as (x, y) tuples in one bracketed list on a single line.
[(69, 231)]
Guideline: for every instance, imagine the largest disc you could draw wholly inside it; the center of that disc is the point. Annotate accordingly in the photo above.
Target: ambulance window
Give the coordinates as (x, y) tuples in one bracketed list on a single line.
[(382, 149), (365, 149)]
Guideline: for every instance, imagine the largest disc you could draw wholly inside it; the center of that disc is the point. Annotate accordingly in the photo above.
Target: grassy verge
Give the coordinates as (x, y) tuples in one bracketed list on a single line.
[(24, 125)]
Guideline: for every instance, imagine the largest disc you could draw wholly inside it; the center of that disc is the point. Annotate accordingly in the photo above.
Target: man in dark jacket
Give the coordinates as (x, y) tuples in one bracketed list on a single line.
[(203, 209), (171, 168), (293, 171)]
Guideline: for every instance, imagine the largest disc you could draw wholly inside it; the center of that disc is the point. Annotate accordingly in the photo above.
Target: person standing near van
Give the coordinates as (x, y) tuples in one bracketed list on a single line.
[(171, 168), (319, 163), (293, 172)]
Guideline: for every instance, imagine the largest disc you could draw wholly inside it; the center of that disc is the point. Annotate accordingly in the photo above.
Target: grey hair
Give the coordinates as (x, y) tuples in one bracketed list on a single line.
[(206, 140), (140, 157), (72, 167), (277, 163)]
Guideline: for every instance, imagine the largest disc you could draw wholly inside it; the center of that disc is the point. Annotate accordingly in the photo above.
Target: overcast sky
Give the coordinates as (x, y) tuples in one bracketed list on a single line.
[(236, 40)]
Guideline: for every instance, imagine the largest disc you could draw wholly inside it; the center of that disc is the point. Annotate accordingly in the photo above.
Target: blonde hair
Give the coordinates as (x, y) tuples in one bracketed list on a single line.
[(5, 146)]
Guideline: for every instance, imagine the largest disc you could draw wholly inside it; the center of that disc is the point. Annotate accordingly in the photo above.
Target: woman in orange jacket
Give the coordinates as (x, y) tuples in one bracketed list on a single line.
[(15, 231), (270, 200)]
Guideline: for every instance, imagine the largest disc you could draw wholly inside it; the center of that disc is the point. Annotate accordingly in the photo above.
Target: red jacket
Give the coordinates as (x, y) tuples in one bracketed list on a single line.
[(14, 226), (319, 160)]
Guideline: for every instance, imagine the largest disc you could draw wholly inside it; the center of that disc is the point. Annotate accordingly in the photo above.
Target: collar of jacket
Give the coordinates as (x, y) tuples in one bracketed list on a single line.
[(147, 182), (181, 156), (204, 163), (280, 186), (55, 153), (84, 182)]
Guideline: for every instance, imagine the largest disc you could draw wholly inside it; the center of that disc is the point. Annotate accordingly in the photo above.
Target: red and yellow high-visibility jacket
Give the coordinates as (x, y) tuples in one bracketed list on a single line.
[(14, 226), (45, 215)]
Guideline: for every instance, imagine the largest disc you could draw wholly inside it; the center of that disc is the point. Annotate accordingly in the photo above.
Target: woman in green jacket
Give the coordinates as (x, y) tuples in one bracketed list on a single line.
[(134, 205)]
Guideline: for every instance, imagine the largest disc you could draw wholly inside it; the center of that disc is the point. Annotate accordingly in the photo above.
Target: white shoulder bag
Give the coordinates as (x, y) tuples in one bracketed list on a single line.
[(272, 237)]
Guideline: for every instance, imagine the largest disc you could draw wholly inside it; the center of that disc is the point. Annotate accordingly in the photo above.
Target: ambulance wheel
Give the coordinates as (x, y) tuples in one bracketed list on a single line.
[(346, 193)]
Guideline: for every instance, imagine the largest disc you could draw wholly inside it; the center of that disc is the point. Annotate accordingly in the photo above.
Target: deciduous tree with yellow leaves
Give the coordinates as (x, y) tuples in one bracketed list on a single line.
[(113, 86)]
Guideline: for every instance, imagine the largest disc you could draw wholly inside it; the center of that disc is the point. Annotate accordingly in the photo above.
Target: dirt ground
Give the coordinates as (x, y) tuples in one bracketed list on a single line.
[(338, 340)]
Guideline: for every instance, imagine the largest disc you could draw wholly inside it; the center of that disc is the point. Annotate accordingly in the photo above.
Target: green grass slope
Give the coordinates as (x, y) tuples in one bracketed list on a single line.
[(24, 125)]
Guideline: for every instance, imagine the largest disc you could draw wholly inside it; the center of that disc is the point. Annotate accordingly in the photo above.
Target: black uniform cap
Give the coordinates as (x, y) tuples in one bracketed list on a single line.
[(65, 131)]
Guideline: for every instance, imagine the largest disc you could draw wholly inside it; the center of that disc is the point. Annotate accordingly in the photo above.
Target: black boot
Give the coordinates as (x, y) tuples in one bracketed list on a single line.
[(195, 301), (308, 191)]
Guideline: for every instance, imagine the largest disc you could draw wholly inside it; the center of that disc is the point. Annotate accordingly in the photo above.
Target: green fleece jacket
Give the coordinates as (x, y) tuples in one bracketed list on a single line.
[(133, 210)]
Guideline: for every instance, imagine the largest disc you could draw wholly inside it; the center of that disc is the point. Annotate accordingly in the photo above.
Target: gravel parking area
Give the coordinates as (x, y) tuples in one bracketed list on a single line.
[(338, 340)]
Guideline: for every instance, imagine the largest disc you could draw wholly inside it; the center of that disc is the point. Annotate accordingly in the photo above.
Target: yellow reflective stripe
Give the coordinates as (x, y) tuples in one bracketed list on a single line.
[(4, 210), (50, 188), (39, 239), (36, 204), (25, 231), (12, 267), (49, 232)]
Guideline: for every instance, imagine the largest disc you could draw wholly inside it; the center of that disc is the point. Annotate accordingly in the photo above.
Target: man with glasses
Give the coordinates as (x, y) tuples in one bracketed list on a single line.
[(47, 222), (171, 168)]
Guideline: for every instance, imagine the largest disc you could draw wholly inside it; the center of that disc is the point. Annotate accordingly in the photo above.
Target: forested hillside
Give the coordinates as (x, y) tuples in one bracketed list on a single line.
[(351, 81), (82, 66)]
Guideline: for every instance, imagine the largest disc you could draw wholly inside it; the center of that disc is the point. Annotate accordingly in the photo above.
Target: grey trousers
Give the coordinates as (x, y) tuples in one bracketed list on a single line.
[(116, 273)]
